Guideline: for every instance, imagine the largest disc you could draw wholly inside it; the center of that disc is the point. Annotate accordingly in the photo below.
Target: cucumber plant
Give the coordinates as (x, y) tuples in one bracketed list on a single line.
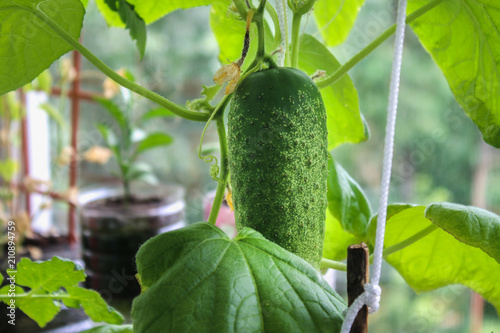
[(196, 278)]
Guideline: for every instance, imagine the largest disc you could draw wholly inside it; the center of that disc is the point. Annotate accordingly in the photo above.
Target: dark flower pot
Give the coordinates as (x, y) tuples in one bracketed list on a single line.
[(112, 232)]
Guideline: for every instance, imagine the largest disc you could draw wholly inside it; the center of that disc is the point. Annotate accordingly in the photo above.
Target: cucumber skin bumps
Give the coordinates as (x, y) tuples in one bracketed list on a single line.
[(277, 139)]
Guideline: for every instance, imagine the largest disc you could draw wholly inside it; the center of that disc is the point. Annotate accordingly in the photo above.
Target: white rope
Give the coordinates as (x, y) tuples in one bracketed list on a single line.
[(371, 295), (281, 19)]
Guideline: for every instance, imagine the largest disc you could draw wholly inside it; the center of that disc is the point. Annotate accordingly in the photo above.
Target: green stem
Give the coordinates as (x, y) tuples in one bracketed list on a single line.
[(323, 83), (407, 242), (224, 169), (259, 21), (178, 110), (339, 266), (295, 39)]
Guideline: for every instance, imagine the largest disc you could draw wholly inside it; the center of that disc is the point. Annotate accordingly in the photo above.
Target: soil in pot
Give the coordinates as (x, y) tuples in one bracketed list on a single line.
[(112, 231)]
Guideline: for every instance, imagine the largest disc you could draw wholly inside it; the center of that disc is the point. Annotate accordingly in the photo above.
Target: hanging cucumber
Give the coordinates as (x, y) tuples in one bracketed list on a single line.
[(277, 140)]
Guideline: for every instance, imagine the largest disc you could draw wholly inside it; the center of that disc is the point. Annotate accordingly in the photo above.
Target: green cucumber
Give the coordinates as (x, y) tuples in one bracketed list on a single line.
[(278, 156)]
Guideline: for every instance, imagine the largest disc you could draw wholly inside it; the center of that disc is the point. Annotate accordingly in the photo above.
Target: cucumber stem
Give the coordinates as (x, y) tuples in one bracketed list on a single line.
[(295, 39), (337, 265), (259, 21), (224, 169), (177, 109), (342, 70)]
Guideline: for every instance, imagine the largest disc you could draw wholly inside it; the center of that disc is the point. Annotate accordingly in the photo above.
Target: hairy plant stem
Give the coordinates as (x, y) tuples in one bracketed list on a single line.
[(224, 168), (177, 109), (295, 39), (407, 242), (337, 265), (342, 70), (259, 21)]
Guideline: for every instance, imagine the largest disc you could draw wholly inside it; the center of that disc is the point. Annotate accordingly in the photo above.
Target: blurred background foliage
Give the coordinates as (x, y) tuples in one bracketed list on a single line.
[(439, 155)]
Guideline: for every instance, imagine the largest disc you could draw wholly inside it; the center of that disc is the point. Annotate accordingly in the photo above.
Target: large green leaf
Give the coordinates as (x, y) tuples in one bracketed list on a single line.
[(335, 18), (132, 20), (470, 225), (28, 45), (152, 10), (230, 32), (45, 280), (463, 38), (347, 201), (438, 259), (112, 18), (198, 280), (336, 239), (345, 123)]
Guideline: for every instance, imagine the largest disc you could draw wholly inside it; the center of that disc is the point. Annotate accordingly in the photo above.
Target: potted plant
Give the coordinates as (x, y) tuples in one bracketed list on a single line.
[(116, 219)]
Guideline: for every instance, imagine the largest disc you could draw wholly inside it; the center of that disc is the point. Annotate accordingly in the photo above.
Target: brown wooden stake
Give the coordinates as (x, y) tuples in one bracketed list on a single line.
[(357, 276), (24, 150), (75, 115)]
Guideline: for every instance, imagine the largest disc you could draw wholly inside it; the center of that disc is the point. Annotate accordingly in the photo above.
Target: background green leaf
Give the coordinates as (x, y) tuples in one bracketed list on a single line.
[(157, 113), (112, 18), (471, 225), (154, 140), (93, 305), (133, 22), (335, 18), (46, 280), (41, 310), (55, 114), (49, 275), (347, 201), (197, 279), (109, 137), (345, 123), (438, 259), (27, 45), (142, 171), (8, 169), (114, 110), (463, 38), (336, 239)]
